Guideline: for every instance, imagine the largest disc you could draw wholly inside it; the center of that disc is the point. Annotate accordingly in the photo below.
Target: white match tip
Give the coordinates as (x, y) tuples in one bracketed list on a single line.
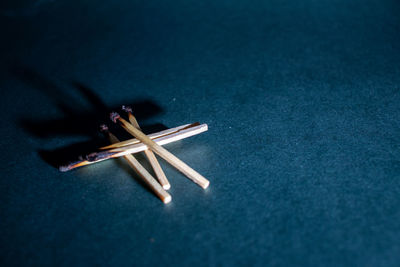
[(206, 184), (167, 199), (166, 186)]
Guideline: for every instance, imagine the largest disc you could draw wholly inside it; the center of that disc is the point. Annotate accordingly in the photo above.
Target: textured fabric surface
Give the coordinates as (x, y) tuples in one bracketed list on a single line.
[(302, 99)]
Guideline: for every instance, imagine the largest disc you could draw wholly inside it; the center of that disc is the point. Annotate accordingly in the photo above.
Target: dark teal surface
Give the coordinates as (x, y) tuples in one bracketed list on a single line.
[(302, 99)]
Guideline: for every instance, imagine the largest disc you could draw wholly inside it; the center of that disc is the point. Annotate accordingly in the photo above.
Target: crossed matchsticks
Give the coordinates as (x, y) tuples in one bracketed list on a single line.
[(150, 144)]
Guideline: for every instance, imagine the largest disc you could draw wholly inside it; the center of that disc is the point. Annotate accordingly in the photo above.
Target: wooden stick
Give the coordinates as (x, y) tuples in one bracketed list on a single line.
[(134, 148), (149, 154), (162, 152), (141, 171), (162, 140), (152, 136)]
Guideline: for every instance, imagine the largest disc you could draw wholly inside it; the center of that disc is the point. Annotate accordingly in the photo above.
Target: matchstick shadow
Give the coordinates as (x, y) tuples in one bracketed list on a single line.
[(76, 120)]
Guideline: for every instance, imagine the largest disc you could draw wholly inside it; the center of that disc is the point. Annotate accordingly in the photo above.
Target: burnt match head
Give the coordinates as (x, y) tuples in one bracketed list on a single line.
[(114, 116), (103, 128), (127, 109), (64, 168)]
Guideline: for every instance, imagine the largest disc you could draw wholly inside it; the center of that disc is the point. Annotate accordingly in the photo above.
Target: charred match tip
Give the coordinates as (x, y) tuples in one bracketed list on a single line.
[(103, 128), (126, 108), (64, 168), (95, 156), (114, 116)]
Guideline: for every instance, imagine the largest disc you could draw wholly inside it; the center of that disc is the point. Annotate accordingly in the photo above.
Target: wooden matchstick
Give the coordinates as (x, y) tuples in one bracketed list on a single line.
[(162, 140), (141, 171), (136, 146), (149, 154), (162, 152), (152, 136)]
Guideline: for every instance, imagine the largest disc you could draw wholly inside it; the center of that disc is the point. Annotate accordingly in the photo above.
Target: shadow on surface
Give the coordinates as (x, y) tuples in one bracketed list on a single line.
[(77, 120)]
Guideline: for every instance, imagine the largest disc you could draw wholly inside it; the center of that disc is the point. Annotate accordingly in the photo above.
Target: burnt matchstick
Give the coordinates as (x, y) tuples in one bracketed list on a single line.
[(134, 146), (149, 154), (140, 170), (162, 152)]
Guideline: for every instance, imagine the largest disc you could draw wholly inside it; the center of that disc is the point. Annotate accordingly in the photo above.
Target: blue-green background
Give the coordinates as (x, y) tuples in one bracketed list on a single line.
[(302, 99)]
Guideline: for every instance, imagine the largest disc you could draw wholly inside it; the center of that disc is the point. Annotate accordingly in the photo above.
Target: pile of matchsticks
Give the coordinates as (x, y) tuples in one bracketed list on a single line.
[(150, 144)]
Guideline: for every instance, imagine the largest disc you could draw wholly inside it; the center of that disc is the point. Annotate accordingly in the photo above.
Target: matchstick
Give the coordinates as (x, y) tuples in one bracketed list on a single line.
[(152, 136), (162, 152), (149, 154), (136, 146), (162, 140), (140, 170)]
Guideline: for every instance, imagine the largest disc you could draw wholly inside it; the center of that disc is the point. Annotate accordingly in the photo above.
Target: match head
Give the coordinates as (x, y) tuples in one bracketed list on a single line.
[(103, 128), (127, 109), (64, 168), (114, 116)]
